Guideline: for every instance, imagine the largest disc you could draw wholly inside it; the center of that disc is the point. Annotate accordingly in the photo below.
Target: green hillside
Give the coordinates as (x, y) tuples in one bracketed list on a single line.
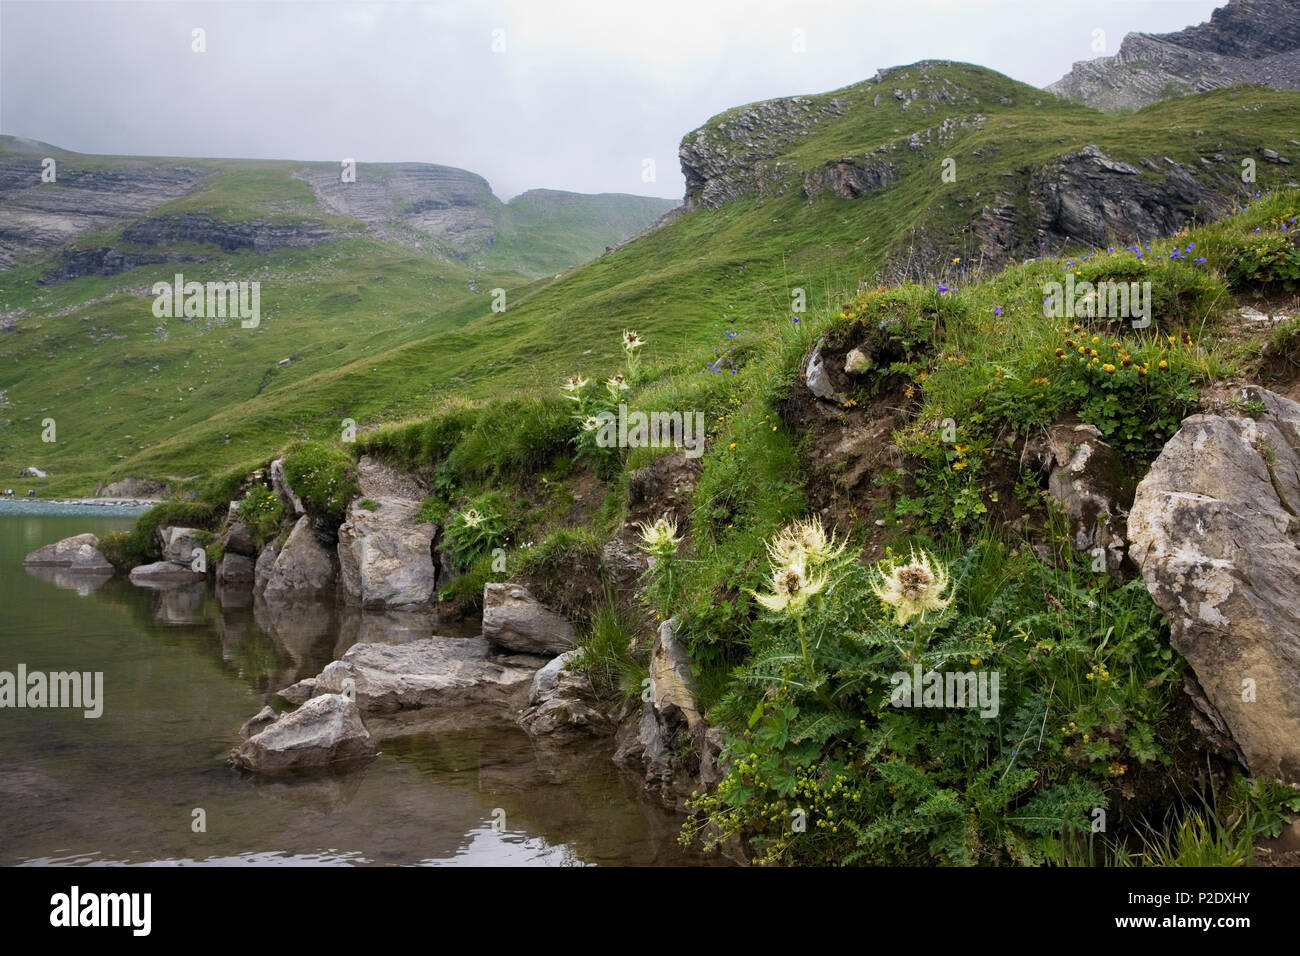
[(378, 331)]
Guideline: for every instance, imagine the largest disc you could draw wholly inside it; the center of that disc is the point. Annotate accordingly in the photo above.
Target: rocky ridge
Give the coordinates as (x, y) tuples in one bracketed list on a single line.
[(1246, 41)]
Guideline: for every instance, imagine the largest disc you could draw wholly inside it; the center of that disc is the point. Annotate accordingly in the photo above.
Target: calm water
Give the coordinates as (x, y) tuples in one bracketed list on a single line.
[(181, 673)]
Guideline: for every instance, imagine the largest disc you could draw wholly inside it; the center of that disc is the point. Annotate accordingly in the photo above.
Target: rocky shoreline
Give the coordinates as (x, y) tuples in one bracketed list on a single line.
[(401, 677)]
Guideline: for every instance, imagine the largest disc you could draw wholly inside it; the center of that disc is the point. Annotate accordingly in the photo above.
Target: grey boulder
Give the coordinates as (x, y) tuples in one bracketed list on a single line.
[(302, 568), (1215, 529), (433, 672), (326, 731), (235, 570), (79, 553), (562, 702), (178, 544), (517, 621), (385, 555)]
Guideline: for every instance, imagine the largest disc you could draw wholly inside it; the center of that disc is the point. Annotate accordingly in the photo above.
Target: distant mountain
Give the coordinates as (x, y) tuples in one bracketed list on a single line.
[(1247, 41), (157, 202)]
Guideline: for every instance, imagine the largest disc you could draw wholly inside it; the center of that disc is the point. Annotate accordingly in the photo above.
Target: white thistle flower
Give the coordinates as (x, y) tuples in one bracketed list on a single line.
[(791, 588), (574, 385), (659, 538), (913, 587), (804, 541)]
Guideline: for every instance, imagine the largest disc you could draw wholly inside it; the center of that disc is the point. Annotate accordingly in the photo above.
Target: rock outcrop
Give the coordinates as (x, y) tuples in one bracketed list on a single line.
[(34, 216), (289, 501), (385, 552), (1215, 529), (669, 739), (849, 178), (79, 553), (303, 568), (1085, 475), (1090, 197), (562, 702), (133, 488), (515, 620), (325, 732), (1246, 41)]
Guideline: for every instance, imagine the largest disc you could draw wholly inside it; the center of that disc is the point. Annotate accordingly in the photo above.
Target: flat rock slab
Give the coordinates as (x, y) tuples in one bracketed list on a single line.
[(436, 672)]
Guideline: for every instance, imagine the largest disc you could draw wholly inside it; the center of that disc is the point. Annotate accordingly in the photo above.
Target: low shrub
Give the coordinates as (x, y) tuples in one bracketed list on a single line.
[(322, 475)]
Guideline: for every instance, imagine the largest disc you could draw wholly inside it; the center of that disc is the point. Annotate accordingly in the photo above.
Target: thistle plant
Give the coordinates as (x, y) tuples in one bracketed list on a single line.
[(660, 541), (631, 342), (595, 407), (573, 388), (912, 589), (616, 386), (800, 556), (472, 532)]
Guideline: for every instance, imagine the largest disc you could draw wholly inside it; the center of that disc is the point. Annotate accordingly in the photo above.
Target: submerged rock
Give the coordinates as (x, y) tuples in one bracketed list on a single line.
[(325, 731), (79, 553), (517, 621), (164, 571), (1215, 529)]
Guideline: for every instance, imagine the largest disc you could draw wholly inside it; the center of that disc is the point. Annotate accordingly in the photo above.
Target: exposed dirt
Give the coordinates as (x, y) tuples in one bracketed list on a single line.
[(847, 447), (663, 489)]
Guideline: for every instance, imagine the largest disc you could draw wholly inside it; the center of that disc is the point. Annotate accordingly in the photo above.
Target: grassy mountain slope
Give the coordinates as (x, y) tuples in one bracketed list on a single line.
[(389, 350)]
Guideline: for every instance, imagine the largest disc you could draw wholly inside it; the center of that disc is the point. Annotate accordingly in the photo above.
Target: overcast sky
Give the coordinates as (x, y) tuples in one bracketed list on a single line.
[(581, 94)]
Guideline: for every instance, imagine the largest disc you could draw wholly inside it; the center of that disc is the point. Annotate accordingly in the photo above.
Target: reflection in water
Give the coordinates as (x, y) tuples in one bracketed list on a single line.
[(184, 668)]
